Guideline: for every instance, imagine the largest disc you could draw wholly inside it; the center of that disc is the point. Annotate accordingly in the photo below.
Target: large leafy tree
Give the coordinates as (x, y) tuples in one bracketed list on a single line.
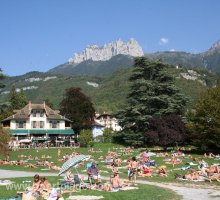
[(2, 76), (152, 93), (4, 135), (4, 140), (166, 131), (4, 106), (204, 120), (17, 99), (78, 108)]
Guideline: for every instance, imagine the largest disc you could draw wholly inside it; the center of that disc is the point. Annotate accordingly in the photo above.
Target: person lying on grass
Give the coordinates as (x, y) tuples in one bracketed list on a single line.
[(144, 171), (213, 177), (209, 155), (30, 165), (191, 176), (162, 154), (174, 161)]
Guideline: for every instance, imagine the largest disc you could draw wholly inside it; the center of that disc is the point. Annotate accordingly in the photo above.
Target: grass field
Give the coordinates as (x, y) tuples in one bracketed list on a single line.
[(143, 192), (51, 156)]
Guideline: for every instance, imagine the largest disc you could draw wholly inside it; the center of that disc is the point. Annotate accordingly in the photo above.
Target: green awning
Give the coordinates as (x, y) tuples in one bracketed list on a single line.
[(19, 131), (37, 131), (60, 131), (42, 131)]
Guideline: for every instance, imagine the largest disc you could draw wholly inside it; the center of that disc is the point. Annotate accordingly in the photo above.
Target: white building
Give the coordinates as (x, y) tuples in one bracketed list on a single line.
[(107, 121), (103, 121), (38, 122)]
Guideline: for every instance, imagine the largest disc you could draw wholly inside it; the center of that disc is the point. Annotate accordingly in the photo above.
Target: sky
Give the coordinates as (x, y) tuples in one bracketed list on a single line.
[(37, 35)]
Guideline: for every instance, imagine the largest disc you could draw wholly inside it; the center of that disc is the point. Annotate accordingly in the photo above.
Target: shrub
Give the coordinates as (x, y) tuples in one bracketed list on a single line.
[(85, 137)]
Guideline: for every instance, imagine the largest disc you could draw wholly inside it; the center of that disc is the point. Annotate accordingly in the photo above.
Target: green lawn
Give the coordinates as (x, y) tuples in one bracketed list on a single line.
[(52, 153), (144, 192)]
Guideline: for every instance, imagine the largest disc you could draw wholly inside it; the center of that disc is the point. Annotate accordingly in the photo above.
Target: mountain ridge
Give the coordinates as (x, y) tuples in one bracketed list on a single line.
[(108, 93), (209, 59), (106, 52)]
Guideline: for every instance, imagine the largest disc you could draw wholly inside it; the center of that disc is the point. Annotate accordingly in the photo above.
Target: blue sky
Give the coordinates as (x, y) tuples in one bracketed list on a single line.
[(37, 35)]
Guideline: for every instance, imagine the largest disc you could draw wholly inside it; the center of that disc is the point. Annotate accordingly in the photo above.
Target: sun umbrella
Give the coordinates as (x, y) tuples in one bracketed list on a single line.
[(72, 162)]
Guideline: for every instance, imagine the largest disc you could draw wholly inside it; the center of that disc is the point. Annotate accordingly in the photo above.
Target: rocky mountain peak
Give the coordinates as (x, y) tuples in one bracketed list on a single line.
[(96, 53), (215, 46)]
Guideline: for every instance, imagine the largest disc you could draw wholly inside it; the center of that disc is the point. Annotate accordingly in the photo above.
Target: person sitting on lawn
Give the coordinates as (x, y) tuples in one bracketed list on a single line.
[(68, 176), (45, 188), (162, 172), (145, 157), (115, 170), (116, 182), (35, 189), (58, 153), (100, 158), (93, 173)]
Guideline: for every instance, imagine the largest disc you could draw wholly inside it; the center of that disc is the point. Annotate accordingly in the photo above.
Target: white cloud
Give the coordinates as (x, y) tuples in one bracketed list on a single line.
[(163, 41), (172, 50)]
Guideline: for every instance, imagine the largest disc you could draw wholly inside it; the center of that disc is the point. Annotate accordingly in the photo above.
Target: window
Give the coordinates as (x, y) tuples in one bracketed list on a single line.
[(54, 124), (20, 124), (34, 113), (41, 124), (41, 113), (34, 124)]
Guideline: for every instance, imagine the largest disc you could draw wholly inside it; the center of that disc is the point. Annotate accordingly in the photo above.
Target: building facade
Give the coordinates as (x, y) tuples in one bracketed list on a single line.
[(103, 121), (108, 121), (38, 123)]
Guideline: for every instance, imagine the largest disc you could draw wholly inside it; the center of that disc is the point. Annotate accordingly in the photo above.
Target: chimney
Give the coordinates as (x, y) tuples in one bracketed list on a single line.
[(29, 105)]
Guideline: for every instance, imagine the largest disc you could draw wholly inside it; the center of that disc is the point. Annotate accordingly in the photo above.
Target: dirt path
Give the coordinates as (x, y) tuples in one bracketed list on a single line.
[(189, 192)]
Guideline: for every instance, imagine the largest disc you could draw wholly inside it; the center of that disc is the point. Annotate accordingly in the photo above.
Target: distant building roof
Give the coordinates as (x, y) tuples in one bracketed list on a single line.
[(102, 115), (25, 112), (97, 124)]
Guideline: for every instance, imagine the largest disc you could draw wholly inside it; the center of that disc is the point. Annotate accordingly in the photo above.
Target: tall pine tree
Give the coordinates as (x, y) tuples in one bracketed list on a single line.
[(152, 93)]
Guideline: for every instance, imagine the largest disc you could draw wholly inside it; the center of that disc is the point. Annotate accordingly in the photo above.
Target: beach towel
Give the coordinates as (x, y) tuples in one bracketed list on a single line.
[(183, 179), (81, 197), (191, 163), (5, 182), (28, 196), (129, 188)]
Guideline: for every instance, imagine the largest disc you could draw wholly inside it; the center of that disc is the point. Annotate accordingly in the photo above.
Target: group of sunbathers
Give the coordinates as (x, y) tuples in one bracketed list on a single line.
[(41, 187)]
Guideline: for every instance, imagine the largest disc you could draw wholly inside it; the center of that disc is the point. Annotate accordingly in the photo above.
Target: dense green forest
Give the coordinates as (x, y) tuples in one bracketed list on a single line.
[(107, 93)]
